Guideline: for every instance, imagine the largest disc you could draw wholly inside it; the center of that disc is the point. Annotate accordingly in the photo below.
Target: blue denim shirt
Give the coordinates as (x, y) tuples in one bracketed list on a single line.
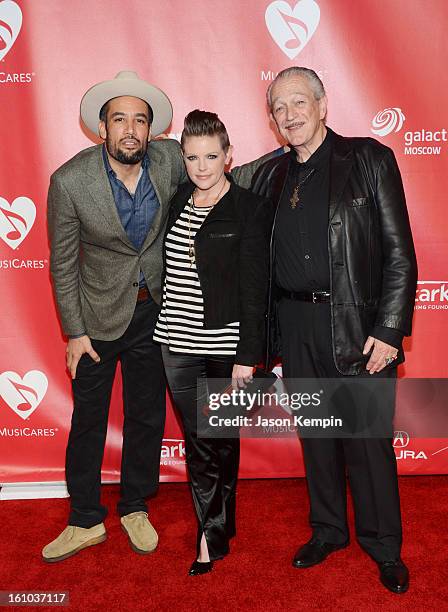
[(136, 211)]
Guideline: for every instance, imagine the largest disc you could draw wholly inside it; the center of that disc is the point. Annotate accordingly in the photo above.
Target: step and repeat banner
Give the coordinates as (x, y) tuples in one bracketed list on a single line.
[(383, 67)]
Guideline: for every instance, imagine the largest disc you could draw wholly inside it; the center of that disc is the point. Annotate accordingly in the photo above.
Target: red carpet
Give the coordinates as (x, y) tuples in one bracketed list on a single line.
[(272, 523)]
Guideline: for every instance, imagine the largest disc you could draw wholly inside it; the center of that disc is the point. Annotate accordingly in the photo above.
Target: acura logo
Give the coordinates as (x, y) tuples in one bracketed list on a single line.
[(401, 439)]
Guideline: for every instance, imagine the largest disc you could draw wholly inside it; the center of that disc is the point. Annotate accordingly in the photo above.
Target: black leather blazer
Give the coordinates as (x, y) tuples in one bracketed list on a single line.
[(373, 267), (232, 259)]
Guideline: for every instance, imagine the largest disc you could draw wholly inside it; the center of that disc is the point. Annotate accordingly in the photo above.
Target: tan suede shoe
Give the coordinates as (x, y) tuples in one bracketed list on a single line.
[(72, 540), (142, 536)]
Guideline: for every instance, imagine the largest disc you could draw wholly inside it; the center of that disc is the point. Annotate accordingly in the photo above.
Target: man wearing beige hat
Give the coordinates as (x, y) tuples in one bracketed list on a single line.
[(107, 209)]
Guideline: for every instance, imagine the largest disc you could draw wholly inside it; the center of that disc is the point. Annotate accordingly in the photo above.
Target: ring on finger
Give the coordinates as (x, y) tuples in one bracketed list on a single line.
[(390, 360)]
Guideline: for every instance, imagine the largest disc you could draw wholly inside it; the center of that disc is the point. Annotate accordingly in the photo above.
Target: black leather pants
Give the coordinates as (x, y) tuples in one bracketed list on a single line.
[(212, 462)]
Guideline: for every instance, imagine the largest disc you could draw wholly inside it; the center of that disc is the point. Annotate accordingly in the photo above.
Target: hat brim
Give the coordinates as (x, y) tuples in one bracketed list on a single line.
[(99, 94)]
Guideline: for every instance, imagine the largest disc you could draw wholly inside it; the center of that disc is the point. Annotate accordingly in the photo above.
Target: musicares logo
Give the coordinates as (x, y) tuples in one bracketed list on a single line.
[(10, 25), (23, 395), (292, 28), (16, 220)]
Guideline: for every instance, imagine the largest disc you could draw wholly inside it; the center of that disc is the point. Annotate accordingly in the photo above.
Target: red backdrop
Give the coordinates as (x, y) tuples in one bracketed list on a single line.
[(383, 67)]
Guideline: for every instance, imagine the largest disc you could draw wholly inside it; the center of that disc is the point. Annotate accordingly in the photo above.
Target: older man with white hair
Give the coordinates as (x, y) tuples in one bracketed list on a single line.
[(344, 275)]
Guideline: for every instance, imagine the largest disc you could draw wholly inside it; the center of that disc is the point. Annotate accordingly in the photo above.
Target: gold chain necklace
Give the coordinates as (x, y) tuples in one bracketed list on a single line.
[(295, 198), (191, 249)]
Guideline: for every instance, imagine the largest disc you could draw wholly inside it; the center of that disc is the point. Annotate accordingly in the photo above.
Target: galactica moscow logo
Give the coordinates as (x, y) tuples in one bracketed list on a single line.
[(415, 142)]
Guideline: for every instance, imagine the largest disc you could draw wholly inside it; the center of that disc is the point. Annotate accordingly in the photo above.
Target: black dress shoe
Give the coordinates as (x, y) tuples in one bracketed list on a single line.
[(313, 552), (198, 568), (394, 575)]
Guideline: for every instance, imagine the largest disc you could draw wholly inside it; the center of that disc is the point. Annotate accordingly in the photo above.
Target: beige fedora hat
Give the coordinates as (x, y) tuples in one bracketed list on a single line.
[(126, 83)]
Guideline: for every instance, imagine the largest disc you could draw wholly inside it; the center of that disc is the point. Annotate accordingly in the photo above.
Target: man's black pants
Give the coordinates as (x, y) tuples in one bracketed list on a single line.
[(144, 419), (369, 462)]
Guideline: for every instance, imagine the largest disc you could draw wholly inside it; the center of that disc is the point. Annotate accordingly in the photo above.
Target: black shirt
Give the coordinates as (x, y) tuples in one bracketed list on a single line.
[(301, 257), (301, 229)]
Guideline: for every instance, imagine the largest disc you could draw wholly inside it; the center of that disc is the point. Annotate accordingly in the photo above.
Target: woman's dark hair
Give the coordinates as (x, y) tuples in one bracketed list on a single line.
[(202, 123)]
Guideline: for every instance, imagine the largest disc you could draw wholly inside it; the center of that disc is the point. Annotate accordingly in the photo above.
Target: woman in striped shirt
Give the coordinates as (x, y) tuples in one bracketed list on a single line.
[(211, 324)]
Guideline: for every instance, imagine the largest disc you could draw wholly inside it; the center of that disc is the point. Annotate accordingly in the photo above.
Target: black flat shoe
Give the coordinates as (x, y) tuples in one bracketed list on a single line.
[(313, 552), (198, 568), (394, 575)]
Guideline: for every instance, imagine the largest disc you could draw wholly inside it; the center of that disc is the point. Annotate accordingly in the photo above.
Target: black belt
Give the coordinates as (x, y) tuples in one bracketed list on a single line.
[(316, 297)]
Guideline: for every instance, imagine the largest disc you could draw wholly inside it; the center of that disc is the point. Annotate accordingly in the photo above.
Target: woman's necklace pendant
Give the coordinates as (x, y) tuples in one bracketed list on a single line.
[(191, 255)]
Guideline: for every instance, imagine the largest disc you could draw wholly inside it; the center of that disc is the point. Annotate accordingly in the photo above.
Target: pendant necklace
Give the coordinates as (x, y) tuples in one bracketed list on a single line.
[(191, 249), (295, 198)]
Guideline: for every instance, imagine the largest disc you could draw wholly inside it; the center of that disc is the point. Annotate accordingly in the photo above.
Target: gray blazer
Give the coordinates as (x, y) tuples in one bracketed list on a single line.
[(242, 175), (94, 266)]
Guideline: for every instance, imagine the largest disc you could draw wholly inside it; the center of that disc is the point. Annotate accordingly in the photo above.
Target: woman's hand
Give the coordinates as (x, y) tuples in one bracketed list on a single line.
[(241, 375)]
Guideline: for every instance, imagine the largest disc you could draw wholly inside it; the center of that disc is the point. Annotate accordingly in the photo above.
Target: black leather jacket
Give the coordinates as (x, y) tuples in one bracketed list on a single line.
[(373, 268), (231, 249)]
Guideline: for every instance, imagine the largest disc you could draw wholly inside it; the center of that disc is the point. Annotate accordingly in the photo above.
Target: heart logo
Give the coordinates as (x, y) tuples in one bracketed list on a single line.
[(292, 28), (10, 24), (23, 395), (16, 220)]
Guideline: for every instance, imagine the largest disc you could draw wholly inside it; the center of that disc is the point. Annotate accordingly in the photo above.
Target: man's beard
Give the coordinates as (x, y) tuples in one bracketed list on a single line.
[(127, 157)]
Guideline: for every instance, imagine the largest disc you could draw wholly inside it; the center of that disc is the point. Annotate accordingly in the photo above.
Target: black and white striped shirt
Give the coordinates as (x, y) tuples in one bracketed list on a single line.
[(181, 320)]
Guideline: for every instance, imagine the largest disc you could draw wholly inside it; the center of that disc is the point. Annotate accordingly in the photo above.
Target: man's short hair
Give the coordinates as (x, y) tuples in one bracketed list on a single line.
[(103, 111), (314, 81), (203, 123)]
